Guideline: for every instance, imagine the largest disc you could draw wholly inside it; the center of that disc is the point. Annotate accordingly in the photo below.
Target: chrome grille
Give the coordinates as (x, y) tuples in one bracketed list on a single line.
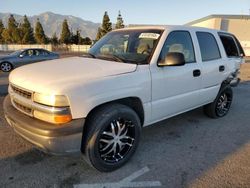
[(21, 92), (23, 108)]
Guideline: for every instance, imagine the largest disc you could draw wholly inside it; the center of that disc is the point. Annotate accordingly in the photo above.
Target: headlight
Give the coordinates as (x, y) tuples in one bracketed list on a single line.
[(51, 100), (55, 101)]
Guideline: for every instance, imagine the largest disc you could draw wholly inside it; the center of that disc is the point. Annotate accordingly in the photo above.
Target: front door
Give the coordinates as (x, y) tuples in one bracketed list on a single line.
[(175, 89), (25, 57)]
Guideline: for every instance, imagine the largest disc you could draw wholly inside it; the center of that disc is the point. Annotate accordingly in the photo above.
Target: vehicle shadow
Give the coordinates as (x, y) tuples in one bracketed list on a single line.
[(178, 151), (3, 90), (3, 83)]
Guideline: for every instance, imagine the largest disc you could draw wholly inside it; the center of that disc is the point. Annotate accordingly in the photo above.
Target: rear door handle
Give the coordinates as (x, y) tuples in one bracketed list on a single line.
[(221, 68), (196, 73)]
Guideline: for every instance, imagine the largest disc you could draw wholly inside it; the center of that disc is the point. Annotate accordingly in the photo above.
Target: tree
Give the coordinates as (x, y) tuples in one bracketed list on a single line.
[(76, 38), (99, 34), (105, 28), (12, 33), (65, 34), (86, 41), (54, 39), (40, 36), (27, 32), (119, 23), (106, 24), (1, 32)]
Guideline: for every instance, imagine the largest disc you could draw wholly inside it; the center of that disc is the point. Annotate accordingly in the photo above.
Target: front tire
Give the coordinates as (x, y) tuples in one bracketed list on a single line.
[(6, 66), (112, 137), (221, 105)]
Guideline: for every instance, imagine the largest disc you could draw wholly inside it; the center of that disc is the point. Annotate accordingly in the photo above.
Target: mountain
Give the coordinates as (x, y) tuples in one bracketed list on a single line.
[(52, 22)]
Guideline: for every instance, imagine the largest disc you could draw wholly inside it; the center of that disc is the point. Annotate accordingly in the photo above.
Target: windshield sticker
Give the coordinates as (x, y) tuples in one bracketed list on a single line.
[(149, 36)]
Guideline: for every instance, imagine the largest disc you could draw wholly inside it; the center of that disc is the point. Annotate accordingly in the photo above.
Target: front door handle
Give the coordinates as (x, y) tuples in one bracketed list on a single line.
[(196, 73), (221, 68)]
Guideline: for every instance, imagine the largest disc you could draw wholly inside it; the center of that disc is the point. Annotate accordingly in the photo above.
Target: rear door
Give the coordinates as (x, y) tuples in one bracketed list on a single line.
[(44, 55), (38, 55), (213, 66)]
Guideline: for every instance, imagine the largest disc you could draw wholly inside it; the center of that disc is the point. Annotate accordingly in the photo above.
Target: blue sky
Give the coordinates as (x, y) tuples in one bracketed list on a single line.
[(133, 11)]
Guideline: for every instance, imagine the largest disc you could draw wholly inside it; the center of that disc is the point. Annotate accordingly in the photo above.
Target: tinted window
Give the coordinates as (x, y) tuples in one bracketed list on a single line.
[(43, 52), (29, 53), (229, 45), (179, 41), (208, 46), (37, 52)]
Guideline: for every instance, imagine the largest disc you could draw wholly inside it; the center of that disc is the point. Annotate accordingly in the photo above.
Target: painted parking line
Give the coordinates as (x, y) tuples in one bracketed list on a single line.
[(126, 182)]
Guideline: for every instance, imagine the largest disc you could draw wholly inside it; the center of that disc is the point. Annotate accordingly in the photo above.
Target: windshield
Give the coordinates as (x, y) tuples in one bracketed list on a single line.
[(16, 52), (128, 46)]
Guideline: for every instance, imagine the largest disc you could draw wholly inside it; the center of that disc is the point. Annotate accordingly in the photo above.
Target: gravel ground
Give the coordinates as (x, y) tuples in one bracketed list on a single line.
[(189, 150)]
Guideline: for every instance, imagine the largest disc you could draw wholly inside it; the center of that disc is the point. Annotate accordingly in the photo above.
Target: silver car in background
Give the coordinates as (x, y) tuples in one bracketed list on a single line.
[(24, 57)]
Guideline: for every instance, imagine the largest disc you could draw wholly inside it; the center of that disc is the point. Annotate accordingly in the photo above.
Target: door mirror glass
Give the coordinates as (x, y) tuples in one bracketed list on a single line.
[(21, 55), (173, 59)]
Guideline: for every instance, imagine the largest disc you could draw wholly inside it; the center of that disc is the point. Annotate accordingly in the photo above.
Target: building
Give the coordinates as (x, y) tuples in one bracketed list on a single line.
[(239, 25)]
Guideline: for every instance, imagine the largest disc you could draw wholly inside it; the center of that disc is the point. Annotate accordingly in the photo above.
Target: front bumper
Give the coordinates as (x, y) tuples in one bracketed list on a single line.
[(54, 139)]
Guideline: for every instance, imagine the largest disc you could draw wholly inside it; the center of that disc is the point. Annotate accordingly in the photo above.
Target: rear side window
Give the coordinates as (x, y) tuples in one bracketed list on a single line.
[(43, 52), (181, 42), (208, 46), (229, 45), (242, 53)]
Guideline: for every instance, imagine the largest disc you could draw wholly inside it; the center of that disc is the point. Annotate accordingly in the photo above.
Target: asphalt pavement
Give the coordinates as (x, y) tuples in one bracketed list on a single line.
[(189, 150)]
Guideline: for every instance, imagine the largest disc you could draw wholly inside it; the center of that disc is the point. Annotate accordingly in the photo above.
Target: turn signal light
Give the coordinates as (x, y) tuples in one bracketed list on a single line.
[(52, 118)]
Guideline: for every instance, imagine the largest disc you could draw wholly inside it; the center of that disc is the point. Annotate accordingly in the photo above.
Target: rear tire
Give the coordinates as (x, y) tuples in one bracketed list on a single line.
[(221, 105), (113, 136)]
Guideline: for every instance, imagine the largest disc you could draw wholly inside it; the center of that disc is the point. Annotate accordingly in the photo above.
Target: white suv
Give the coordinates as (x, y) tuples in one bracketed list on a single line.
[(97, 104)]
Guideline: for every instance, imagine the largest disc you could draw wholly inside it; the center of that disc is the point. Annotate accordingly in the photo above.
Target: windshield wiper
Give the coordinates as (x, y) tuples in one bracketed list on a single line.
[(111, 56), (89, 55)]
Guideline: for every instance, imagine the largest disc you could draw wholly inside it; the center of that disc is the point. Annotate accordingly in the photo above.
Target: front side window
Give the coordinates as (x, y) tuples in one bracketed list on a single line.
[(128, 46), (208, 46), (30, 52), (27, 53), (181, 42), (229, 45)]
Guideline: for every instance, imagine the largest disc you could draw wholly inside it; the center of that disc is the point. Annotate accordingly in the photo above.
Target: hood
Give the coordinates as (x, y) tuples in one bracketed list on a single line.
[(7, 56), (52, 76)]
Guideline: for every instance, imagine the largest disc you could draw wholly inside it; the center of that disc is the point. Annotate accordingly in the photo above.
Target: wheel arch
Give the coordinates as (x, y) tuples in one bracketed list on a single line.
[(225, 83), (134, 103)]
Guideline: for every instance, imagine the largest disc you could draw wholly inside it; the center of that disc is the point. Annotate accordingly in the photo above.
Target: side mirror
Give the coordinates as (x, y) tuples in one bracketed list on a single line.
[(173, 59), (21, 55)]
